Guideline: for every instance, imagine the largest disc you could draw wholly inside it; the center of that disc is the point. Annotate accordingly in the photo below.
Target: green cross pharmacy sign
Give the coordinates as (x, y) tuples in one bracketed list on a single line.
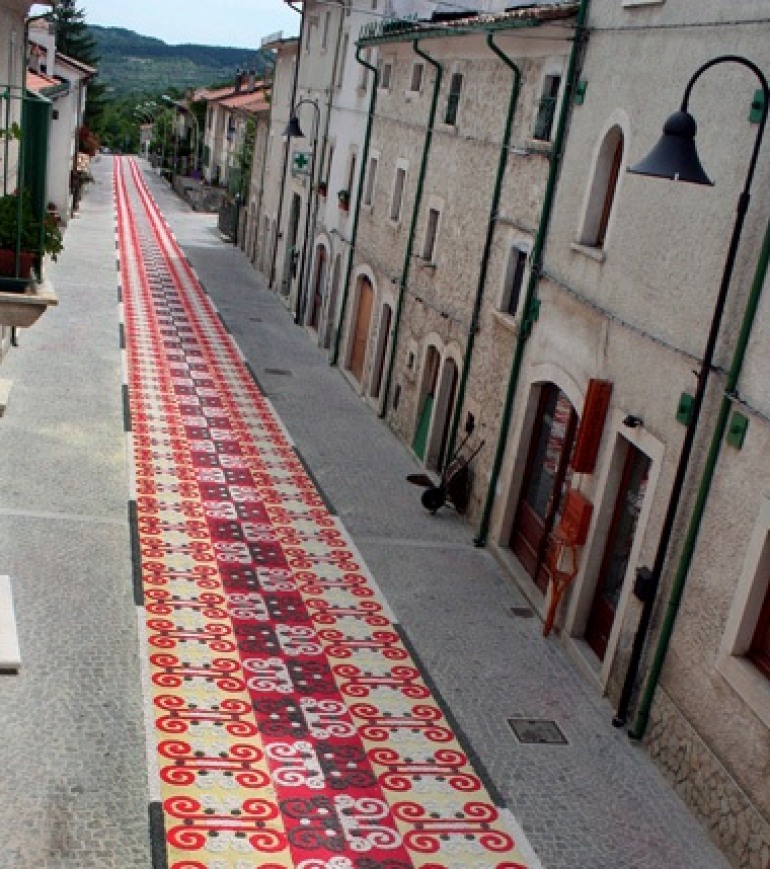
[(300, 163)]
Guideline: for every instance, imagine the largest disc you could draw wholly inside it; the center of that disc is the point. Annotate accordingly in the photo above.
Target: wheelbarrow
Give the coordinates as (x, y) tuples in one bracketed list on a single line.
[(454, 486)]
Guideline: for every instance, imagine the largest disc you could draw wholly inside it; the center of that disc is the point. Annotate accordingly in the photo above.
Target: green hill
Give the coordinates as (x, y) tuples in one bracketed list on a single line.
[(131, 63)]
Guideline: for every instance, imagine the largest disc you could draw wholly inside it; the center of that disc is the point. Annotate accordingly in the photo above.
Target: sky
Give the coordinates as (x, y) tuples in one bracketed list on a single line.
[(233, 23)]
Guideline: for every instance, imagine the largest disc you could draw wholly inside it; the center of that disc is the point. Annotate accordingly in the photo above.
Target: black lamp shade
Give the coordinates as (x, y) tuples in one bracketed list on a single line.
[(675, 156), (293, 129)]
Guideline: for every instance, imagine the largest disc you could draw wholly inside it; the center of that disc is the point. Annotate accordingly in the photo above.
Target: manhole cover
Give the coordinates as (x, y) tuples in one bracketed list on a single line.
[(521, 612), (283, 371), (542, 731)]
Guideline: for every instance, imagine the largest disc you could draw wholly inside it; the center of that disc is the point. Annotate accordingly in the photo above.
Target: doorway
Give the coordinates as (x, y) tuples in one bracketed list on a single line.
[(319, 287), (617, 550), (546, 480), (291, 254), (361, 329)]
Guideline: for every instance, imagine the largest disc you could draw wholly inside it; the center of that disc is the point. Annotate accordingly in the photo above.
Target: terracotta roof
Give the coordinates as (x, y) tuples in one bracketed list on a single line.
[(39, 83), (255, 101), (76, 64)]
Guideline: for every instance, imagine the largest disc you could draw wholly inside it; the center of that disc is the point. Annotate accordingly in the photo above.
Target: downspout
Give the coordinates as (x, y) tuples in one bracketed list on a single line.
[(491, 226), (531, 304), (677, 590), (415, 213), (286, 146), (357, 212)]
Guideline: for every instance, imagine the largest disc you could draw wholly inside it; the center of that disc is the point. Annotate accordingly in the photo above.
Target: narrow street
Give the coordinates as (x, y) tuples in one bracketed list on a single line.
[(323, 674)]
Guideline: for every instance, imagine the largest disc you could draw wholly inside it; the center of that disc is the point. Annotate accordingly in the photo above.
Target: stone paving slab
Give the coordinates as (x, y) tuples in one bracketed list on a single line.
[(597, 801), (73, 780)]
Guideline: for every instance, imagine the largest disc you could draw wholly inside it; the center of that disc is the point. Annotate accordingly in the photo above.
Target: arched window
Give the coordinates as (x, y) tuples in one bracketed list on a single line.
[(603, 187)]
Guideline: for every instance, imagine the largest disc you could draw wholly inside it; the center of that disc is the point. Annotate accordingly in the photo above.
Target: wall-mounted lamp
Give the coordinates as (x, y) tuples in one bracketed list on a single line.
[(632, 421)]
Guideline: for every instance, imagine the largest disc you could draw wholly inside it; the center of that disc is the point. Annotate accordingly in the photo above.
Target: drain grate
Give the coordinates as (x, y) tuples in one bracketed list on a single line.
[(255, 319), (537, 731), (283, 371), (521, 612)]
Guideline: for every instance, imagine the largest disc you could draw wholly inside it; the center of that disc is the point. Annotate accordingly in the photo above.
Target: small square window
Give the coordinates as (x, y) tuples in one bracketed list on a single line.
[(386, 71)]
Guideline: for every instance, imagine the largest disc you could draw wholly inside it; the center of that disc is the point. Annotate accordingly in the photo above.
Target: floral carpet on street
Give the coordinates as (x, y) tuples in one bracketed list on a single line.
[(289, 725)]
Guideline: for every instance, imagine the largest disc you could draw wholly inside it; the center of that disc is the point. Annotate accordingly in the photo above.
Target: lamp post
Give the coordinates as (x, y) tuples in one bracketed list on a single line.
[(294, 131), (188, 111), (675, 158)]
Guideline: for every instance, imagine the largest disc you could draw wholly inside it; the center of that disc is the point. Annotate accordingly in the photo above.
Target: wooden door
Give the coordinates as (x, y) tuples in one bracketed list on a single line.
[(620, 540), (546, 479), (361, 331)]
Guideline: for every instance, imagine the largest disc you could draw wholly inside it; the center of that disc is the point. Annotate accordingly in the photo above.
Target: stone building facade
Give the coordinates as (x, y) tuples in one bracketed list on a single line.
[(498, 272)]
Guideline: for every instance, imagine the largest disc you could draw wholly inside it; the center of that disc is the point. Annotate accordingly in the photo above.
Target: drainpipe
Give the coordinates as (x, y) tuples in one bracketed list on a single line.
[(286, 146), (531, 304), (357, 212), (491, 225), (415, 213), (677, 590)]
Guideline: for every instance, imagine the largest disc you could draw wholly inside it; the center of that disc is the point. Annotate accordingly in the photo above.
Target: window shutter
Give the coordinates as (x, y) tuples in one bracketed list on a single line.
[(589, 434)]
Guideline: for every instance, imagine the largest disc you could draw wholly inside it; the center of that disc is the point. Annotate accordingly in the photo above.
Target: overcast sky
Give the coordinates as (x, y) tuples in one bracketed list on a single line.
[(236, 23)]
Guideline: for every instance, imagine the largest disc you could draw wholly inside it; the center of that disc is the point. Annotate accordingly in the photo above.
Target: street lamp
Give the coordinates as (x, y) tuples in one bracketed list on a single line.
[(294, 131), (675, 157), (187, 110)]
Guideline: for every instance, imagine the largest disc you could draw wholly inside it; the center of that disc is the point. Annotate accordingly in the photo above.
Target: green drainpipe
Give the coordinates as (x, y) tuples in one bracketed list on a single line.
[(491, 224), (357, 212), (415, 212), (677, 590), (531, 304)]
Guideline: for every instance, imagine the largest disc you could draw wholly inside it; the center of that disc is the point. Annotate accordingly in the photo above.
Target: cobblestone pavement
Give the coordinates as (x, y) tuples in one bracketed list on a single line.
[(73, 791)]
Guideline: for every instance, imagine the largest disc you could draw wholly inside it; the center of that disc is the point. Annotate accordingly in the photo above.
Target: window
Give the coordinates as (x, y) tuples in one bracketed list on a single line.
[(325, 31), (546, 111), (341, 60), (514, 280), (385, 70), (351, 174), (453, 101), (398, 194), (603, 187), (415, 85), (431, 230), (371, 178)]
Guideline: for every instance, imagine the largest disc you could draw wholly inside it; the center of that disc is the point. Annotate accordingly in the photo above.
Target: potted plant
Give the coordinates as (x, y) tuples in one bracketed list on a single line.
[(343, 197), (322, 188), (29, 234)]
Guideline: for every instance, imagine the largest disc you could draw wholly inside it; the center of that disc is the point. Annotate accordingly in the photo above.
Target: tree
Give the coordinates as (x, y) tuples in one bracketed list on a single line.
[(74, 39)]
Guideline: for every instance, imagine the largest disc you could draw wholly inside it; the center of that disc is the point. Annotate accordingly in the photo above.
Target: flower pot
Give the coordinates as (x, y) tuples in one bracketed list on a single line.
[(12, 281)]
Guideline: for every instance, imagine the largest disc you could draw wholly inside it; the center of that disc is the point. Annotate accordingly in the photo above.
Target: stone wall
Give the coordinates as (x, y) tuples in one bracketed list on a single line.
[(707, 787)]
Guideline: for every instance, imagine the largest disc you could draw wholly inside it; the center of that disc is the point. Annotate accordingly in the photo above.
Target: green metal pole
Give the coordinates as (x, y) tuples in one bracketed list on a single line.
[(357, 212), (491, 225), (531, 304), (685, 560), (415, 213)]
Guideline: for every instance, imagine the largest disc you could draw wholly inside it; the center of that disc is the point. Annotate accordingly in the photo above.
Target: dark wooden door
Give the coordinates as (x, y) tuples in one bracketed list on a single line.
[(546, 479), (620, 539), (361, 332)]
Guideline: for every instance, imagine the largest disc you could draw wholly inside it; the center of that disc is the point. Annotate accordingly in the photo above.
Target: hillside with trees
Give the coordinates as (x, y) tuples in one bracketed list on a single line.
[(131, 63)]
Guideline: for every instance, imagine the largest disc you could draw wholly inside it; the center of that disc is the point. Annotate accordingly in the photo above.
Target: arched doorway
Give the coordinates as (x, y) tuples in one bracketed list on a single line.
[(361, 328), (331, 305), (319, 287), (427, 398), (442, 414), (546, 480), (382, 345)]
